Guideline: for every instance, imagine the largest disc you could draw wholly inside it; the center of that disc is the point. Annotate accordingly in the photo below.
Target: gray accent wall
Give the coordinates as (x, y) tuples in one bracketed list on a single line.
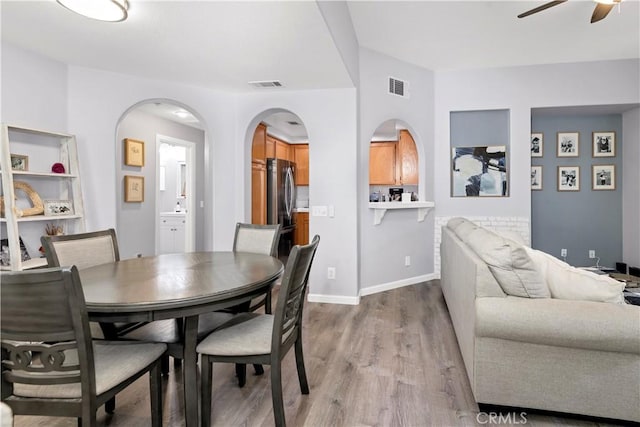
[(581, 220)]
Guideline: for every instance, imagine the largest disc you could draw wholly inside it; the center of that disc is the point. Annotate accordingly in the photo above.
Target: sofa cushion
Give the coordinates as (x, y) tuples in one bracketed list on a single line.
[(567, 282), (455, 222), (509, 263), (463, 229)]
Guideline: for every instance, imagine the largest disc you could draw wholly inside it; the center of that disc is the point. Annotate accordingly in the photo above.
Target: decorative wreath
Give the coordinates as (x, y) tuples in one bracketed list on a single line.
[(36, 201)]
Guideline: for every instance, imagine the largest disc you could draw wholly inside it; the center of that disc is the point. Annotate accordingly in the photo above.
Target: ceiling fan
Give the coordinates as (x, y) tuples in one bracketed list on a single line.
[(603, 7)]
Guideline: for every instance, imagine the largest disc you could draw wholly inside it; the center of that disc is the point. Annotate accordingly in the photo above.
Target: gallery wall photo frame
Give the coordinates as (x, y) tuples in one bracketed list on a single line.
[(604, 144), (133, 152), (568, 144), (603, 177), (536, 178), (479, 171), (568, 178), (537, 144), (133, 189)]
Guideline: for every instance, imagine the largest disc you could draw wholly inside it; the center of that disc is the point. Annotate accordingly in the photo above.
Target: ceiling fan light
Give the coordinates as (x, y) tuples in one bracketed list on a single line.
[(102, 10)]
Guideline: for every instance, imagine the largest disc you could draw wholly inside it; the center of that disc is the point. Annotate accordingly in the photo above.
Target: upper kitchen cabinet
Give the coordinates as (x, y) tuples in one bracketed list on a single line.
[(301, 159), (259, 146), (283, 150), (382, 163), (394, 163)]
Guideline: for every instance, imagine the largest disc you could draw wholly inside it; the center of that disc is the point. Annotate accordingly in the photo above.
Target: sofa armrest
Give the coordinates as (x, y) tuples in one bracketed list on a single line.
[(562, 323)]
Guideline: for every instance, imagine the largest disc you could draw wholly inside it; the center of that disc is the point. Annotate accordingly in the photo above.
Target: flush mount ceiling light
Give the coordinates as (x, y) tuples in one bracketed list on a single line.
[(102, 10)]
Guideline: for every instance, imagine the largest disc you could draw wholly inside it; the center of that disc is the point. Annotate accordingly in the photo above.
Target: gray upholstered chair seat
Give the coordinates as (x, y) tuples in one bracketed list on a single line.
[(245, 335), (114, 363)]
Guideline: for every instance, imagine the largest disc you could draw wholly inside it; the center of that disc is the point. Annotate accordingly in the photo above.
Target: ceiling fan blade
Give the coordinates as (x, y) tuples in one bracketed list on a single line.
[(601, 11), (541, 8)]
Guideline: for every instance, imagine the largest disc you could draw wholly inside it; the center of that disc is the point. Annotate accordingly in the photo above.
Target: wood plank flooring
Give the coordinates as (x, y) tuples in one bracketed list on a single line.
[(393, 360)]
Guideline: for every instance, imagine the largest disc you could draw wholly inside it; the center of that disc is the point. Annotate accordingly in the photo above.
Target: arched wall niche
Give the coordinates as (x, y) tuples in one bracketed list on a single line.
[(391, 130)]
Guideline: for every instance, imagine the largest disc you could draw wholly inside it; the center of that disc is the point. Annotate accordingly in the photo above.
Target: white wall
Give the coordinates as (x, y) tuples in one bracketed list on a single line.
[(329, 117), (631, 188), (519, 89), (34, 90), (383, 247)]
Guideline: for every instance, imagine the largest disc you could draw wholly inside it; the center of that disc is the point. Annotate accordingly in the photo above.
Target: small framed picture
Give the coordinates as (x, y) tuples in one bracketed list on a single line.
[(537, 144), (604, 144), (603, 177), (568, 178), (19, 162), (536, 177), (568, 144), (133, 188), (133, 152), (57, 207)]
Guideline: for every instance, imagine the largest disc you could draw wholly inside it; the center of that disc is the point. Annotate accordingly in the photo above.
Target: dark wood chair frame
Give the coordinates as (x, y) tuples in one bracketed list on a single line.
[(43, 311), (287, 322)]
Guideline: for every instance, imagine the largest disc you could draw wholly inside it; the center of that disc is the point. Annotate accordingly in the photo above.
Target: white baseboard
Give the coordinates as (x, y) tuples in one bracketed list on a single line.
[(333, 299), (398, 284)]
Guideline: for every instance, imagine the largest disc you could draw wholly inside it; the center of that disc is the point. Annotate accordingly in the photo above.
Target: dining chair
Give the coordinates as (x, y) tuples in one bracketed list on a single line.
[(264, 338), (258, 239), (51, 366), (86, 250), (634, 271), (621, 267)]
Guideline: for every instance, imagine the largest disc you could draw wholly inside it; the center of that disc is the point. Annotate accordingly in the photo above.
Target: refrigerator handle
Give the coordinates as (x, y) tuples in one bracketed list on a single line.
[(288, 192)]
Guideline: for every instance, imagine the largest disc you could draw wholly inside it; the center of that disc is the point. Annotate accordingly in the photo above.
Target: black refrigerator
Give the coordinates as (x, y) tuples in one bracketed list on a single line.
[(281, 197)]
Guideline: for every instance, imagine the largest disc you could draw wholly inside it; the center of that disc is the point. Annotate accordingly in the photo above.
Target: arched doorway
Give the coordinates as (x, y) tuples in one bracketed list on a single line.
[(172, 172), (280, 176)]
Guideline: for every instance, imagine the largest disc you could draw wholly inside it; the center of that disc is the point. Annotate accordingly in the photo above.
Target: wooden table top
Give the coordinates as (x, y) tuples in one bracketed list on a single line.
[(175, 280)]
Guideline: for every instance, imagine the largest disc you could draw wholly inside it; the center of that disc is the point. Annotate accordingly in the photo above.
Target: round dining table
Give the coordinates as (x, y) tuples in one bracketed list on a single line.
[(177, 286)]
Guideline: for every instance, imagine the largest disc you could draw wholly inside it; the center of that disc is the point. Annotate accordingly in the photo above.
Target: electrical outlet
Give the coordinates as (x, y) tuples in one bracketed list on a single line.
[(407, 261), (563, 252), (331, 273), (592, 253)]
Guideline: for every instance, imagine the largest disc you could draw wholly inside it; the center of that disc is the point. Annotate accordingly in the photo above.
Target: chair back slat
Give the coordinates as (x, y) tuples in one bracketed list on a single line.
[(257, 239), (45, 328), (288, 314), (83, 250)]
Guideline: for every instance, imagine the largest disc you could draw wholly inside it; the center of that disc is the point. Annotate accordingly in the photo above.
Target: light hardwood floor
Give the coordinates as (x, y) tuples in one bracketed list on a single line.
[(391, 361)]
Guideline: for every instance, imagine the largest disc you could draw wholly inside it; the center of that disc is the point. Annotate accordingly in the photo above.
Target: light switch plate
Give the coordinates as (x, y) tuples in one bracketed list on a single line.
[(319, 211)]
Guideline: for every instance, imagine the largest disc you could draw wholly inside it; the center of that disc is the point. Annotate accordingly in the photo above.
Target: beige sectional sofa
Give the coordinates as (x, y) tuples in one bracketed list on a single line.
[(547, 349)]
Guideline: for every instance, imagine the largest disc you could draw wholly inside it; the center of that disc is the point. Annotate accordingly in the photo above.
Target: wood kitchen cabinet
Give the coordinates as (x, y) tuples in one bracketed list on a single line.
[(258, 192), (301, 235), (259, 145), (394, 163), (301, 159), (283, 150), (382, 163)]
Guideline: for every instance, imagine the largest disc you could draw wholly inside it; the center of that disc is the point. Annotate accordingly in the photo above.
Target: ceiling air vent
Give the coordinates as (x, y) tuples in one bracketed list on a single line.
[(292, 123), (266, 83), (398, 87)]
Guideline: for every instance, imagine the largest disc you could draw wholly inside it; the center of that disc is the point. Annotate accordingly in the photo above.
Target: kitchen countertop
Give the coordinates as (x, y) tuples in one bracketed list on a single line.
[(301, 209)]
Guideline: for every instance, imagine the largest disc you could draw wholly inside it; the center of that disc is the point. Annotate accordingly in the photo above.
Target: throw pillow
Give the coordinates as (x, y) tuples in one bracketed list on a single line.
[(508, 261), (567, 282)]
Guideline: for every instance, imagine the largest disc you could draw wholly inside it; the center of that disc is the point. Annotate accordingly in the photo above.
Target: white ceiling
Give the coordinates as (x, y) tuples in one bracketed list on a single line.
[(225, 44)]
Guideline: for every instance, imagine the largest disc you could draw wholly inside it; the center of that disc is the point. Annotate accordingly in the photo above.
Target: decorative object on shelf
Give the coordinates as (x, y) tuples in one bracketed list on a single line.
[(536, 177), (19, 162), (36, 202), (604, 144), (133, 152), (58, 207), (479, 171), (568, 144), (568, 178), (537, 144), (4, 255), (54, 230), (57, 168), (603, 177), (133, 188)]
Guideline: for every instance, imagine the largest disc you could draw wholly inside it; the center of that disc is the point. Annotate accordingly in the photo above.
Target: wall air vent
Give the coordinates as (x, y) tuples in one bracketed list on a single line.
[(398, 87), (266, 83), (292, 123)]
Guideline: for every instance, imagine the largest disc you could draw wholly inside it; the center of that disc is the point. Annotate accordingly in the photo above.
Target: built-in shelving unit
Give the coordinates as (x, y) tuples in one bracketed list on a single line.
[(380, 209), (40, 150)]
